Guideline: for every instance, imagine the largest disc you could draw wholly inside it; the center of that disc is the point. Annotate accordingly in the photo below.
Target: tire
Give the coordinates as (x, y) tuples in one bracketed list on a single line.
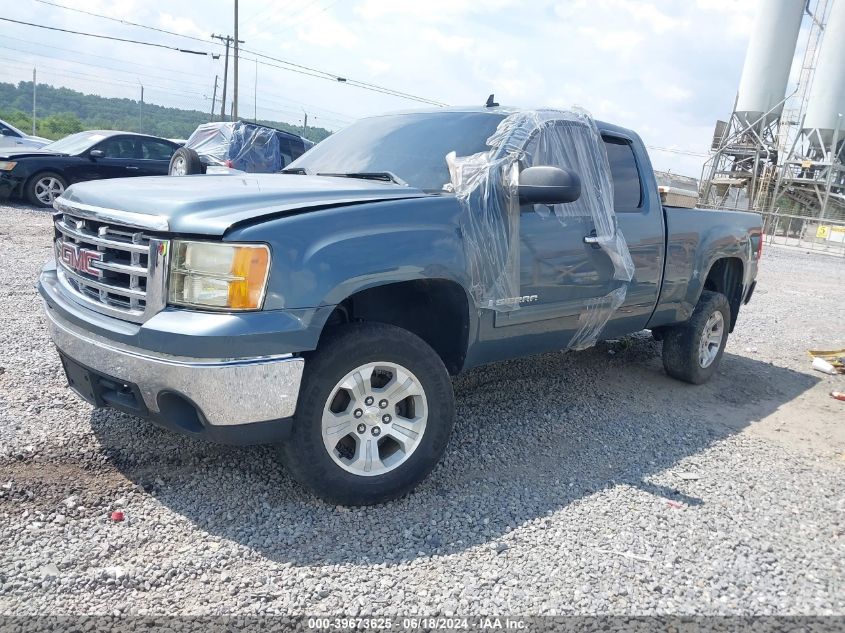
[(41, 189), (693, 350), (184, 162), (342, 476)]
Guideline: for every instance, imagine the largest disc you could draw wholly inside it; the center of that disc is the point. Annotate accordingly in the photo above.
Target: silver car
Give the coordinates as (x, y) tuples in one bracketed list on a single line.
[(12, 138)]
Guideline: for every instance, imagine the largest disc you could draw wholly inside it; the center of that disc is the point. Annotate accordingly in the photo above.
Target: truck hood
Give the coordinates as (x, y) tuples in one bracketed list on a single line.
[(209, 205)]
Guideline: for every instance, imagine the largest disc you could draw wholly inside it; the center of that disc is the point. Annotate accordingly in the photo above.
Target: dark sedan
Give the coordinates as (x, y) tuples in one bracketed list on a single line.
[(41, 175)]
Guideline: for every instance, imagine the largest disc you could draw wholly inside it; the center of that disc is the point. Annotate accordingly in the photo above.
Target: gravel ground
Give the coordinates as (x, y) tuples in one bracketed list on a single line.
[(575, 483)]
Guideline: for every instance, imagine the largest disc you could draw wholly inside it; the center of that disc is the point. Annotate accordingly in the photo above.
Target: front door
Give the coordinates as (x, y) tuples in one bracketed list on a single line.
[(560, 272), (119, 160)]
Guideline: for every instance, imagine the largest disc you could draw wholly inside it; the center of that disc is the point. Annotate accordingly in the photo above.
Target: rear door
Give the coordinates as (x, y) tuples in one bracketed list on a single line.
[(639, 214), (155, 157)]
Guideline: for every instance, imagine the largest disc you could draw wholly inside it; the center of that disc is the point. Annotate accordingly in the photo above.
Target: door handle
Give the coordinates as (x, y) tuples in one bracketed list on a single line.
[(131, 167), (592, 239)]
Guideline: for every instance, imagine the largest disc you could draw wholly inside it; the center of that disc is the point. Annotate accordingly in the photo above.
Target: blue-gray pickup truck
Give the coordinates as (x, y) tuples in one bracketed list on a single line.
[(324, 308)]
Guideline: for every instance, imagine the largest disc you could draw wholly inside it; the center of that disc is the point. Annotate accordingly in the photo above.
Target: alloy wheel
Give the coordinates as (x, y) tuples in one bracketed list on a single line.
[(711, 340), (48, 189), (374, 418)]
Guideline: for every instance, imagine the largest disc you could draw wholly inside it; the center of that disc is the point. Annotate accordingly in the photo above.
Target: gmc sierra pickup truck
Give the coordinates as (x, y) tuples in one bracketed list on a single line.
[(324, 308)]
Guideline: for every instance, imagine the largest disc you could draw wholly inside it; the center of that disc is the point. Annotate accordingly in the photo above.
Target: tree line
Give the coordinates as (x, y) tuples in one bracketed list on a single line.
[(61, 111)]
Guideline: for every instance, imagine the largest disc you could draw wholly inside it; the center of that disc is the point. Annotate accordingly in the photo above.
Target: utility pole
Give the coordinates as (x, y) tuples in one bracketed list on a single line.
[(140, 106), (304, 123), (228, 40), (235, 87), (213, 99), (34, 85)]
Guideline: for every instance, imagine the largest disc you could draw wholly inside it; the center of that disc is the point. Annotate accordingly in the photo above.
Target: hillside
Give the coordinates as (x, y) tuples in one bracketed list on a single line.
[(61, 111)]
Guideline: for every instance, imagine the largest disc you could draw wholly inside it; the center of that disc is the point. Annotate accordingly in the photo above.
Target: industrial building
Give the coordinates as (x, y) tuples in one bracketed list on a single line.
[(782, 151)]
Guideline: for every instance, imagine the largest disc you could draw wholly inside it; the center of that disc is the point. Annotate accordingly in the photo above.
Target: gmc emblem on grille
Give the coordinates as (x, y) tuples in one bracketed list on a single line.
[(79, 259)]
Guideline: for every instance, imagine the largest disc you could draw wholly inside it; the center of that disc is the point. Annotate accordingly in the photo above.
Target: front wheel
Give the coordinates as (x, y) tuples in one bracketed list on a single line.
[(374, 416), (693, 350), (42, 189)]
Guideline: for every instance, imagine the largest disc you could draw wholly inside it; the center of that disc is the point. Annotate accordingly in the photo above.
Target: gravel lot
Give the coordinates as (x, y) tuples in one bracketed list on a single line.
[(575, 483)]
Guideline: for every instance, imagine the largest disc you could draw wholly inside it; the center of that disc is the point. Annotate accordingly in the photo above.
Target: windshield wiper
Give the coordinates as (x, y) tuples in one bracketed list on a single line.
[(300, 171), (383, 176)]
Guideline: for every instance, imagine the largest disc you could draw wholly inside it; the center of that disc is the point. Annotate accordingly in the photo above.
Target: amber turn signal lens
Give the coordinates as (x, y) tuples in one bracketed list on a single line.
[(250, 266)]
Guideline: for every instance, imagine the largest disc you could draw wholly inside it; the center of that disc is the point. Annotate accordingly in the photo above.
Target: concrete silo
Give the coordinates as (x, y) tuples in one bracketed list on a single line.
[(768, 59), (811, 180), (826, 101), (743, 162)]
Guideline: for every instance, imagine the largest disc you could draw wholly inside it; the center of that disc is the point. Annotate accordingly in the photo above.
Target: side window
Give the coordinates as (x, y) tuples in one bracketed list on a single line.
[(156, 150), (627, 188), (118, 147), (285, 148)]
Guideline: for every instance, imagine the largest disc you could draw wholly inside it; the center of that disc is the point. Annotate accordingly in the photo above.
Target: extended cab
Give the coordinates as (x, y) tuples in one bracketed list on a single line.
[(326, 307)]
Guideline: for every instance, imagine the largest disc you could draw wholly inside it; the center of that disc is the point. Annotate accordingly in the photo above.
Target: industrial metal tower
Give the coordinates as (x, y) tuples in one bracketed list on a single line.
[(811, 178), (745, 148)]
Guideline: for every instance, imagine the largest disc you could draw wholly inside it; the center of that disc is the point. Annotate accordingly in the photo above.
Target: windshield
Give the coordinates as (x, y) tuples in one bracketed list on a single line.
[(411, 146), (75, 143)]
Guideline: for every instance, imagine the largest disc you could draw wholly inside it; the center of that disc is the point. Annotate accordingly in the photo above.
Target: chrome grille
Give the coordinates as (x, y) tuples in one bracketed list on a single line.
[(113, 269)]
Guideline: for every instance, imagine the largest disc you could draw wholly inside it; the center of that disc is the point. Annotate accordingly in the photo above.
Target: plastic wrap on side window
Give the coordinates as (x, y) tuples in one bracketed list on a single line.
[(245, 146), (486, 188), (486, 185)]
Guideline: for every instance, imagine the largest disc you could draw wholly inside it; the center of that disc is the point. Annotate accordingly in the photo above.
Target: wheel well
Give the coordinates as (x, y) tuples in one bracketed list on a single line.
[(725, 276), (436, 310)]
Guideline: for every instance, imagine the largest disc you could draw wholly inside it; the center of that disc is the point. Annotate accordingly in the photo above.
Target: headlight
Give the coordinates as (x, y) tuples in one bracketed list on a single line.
[(217, 275), (7, 165)]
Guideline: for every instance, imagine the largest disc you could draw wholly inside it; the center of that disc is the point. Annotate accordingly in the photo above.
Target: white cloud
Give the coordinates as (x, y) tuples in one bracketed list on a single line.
[(612, 40), (185, 26), (446, 42), (327, 31), (652, 17)]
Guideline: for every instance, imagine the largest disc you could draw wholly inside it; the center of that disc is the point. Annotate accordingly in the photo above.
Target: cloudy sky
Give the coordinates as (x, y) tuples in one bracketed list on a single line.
[(667, 68)]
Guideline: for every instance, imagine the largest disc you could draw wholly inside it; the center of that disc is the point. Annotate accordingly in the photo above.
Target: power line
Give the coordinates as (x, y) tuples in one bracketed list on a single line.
[(677, 151), (287, 65), (125, 22), (114, 80), (322, 74), (109, 37), (115, 70), (309, 17), (114, 59)]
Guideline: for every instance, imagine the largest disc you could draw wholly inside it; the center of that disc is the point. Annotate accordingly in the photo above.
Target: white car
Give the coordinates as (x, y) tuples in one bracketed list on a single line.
[(12, 138)]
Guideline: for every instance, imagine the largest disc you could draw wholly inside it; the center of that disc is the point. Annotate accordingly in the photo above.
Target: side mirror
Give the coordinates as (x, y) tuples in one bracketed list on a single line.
[(548, 185), (96, 153)]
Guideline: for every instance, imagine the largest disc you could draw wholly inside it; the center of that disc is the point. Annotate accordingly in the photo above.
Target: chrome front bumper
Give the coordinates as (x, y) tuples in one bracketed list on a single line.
[(227, 392)]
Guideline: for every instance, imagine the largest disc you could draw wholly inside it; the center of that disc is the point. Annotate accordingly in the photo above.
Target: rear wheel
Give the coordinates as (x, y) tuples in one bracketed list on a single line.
[(374, 416), (693, 350), (42, 189), (184, 162)]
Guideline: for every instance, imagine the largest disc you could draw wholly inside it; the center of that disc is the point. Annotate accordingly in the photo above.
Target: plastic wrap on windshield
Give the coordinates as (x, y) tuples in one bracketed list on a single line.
[(244, 146), (486, 185)]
